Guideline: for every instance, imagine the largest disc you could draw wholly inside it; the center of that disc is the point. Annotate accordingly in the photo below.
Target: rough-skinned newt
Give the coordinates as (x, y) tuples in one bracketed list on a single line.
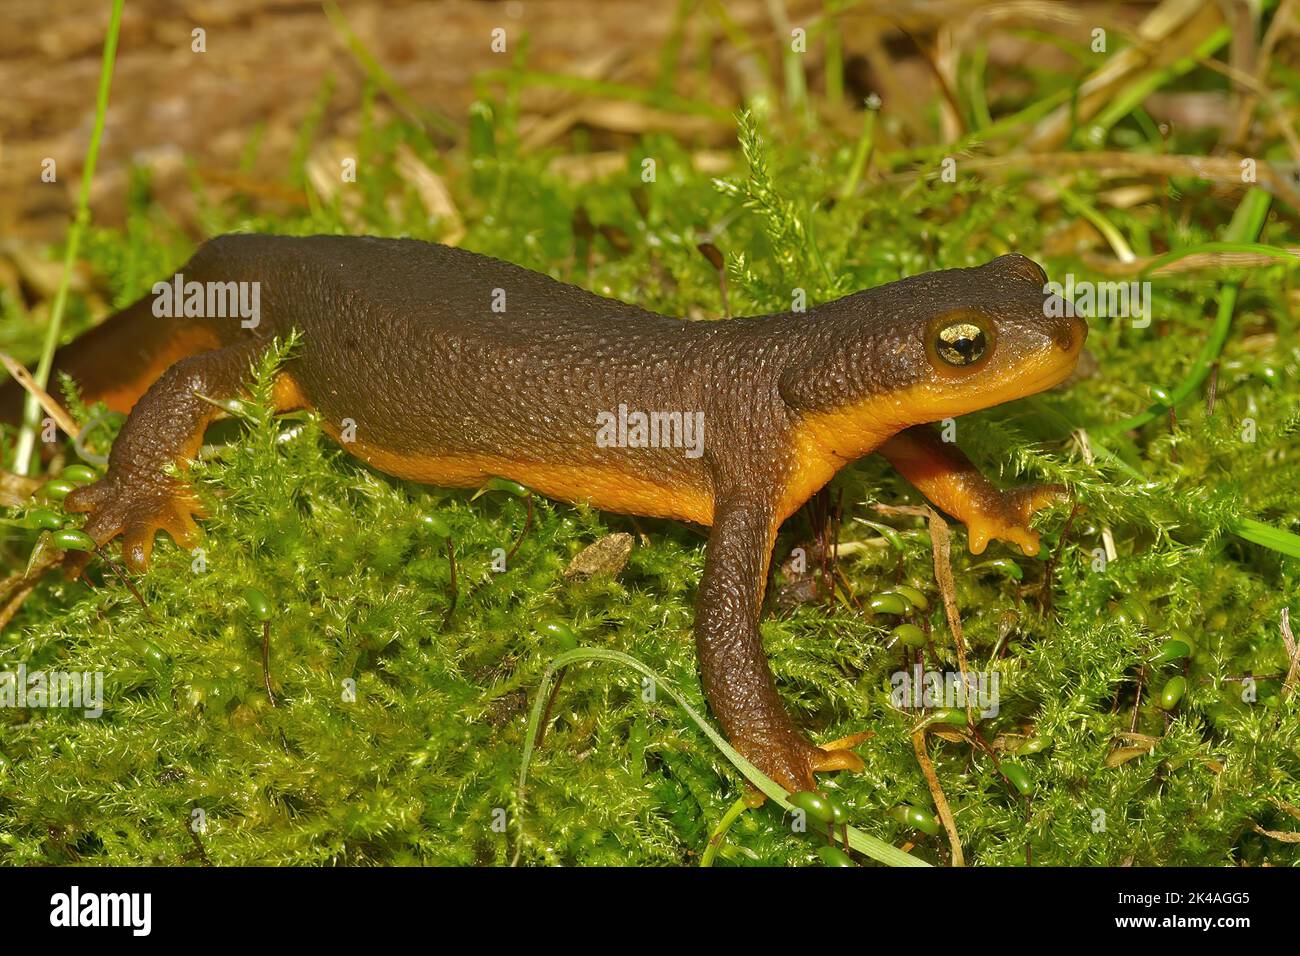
[(449, 367)]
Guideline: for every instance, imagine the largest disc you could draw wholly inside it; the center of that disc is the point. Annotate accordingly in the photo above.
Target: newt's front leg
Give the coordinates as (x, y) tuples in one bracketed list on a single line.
[(137, 498), (737, 680), (943, 474)]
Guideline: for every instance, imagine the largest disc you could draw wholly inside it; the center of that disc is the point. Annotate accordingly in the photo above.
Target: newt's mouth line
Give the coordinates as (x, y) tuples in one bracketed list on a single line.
[(1049, 378), (1020, 384)]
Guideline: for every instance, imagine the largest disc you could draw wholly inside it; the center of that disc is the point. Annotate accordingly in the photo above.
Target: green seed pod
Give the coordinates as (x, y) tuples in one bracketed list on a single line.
[(894, 592), (150, 651), (1132, 610), (913, 596), (1171, 650), (953, 716), (79, 474), (838, 813), (258, 603), (1034, 745), (888, 603), (55, 490), (916, 818), (561, 634), (43, 519), (436, 525), (70, 539), (909, 634), (1018, 776), (813, 804), (1173, 692), (834, 856)]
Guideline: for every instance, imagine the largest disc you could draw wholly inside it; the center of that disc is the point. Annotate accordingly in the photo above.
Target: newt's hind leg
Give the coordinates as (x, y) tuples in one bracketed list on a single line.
[(943, 474), (137, 498)]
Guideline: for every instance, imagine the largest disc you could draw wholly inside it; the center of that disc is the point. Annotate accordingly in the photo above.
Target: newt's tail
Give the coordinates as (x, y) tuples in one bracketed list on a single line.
[(116, 361)]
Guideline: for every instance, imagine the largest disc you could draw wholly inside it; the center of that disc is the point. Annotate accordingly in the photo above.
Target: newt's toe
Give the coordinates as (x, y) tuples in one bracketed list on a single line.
[(838, 760), (792, 761), (1008, 520), (137, 512), (838, 755)]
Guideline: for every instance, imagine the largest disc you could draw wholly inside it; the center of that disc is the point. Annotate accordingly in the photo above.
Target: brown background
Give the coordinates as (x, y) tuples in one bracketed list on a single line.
[(267, 60)]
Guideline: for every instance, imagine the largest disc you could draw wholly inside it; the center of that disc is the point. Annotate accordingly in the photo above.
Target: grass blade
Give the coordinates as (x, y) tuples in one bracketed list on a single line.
[(27, 436), (862, 842)]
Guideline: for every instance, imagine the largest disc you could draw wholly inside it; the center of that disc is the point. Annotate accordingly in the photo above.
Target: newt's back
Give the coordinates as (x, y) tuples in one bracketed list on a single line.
[(424, 285), (446, 366)]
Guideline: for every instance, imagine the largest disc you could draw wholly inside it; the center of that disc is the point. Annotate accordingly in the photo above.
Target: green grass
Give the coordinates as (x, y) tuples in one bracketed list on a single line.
[(398, 738)]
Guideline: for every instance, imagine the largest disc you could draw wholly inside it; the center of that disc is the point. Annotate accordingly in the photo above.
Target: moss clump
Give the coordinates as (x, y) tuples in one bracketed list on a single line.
[(399, 725)]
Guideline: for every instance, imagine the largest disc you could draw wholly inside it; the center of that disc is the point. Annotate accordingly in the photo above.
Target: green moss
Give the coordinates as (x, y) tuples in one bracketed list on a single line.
[(397, 737)]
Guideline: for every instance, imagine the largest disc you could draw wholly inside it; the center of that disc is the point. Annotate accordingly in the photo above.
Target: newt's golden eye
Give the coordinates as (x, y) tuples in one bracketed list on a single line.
[(962, 343)]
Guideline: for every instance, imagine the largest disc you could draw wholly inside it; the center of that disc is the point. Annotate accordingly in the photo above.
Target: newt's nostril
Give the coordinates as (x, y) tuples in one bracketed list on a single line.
[(1072, 336)]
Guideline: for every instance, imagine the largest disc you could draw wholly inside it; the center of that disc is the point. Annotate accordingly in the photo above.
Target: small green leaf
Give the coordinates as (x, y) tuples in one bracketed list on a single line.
[(258, 603)]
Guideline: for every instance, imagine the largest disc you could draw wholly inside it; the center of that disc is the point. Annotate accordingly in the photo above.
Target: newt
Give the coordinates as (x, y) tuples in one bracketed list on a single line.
[(440, 365)]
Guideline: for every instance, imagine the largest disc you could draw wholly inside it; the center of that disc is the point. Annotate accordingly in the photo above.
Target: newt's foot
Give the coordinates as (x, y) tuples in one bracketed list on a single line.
[(792, 760), (1007, 514), (137, 510)]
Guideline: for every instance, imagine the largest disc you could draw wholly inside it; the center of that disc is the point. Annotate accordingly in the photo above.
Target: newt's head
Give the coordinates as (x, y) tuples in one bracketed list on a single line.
[(940, 345), (996, 334)]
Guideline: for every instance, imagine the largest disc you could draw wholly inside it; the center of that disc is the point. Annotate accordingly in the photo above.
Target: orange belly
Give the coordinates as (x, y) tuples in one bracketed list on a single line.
[(600, 486)]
